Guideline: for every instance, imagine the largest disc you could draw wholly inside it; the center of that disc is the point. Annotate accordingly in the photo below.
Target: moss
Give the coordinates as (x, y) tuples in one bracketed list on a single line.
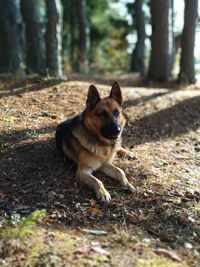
[(125, 237), (153, 260), (23, 226), (197, 206), (63, 243), (49, 249), (6, 117), (94, 260), (13, 232), (36, 250)]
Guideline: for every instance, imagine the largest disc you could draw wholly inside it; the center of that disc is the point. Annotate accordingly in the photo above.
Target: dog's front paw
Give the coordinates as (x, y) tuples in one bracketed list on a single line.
[(124, 153), (130, 187), (103, 195)]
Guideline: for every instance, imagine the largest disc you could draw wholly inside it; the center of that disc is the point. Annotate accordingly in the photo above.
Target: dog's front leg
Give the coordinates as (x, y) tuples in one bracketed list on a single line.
[(117, 174), (85, 176)]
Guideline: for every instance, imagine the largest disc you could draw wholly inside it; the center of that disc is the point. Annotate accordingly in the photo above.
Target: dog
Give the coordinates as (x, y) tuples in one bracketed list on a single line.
[(92, 139)]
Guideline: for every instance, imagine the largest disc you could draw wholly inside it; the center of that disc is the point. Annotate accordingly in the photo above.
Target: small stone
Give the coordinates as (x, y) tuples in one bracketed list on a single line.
[(99, 250), (191, 219), (51, 195), (131, 156), (77, 205), (188, 245), (146, 240), (51, 234)]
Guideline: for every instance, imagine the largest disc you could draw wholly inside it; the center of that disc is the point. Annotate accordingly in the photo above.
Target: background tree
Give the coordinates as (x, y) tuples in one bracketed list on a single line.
[(82, 37), (35, 49), (172, 49), (70, 35), (137, 58), (98, 22), (10, 47), (107, 37), (187, 72), (161, 41), (53, 37)]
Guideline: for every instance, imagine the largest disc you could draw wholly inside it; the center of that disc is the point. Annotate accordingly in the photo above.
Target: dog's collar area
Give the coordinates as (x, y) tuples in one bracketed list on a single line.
[(94, 139)]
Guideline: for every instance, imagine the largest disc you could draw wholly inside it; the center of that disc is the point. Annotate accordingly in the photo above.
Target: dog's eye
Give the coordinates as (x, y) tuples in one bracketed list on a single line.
[(103, 114), (116, 112)]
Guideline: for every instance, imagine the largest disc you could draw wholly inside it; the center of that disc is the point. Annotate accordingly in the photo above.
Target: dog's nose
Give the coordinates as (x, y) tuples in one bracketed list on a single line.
[(111, 130), (115, 130), (118, 129)]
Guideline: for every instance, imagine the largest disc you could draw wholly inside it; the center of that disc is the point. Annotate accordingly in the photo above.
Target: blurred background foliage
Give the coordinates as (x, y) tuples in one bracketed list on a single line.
[(106, 37), (155, 38)]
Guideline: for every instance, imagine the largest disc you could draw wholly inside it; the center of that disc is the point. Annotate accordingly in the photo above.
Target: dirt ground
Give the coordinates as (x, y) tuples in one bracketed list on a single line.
[(157, 225)]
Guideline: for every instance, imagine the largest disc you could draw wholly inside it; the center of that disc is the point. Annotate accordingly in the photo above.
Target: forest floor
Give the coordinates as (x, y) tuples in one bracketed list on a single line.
[(47, 220)]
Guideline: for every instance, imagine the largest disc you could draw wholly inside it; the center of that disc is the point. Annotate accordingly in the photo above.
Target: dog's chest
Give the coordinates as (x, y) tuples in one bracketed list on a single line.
[(102, 152)]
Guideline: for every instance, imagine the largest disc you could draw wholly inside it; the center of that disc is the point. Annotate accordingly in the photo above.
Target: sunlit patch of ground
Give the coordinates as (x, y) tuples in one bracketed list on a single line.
[(157, 225)]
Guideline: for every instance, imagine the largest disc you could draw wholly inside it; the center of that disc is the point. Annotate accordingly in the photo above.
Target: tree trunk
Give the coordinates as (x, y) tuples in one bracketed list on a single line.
[(54, 37), (10, 47), (161, 41), (74, 37), (172, 49), (82, 42), (137, 59), (35, 51), (187, 71)]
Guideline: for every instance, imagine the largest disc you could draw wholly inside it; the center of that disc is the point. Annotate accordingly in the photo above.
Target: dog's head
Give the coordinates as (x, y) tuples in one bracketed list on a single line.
[(103, 117)]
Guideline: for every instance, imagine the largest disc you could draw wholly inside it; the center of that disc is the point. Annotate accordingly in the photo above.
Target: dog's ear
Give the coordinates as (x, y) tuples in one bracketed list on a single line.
[(116, 94), (93, 97)]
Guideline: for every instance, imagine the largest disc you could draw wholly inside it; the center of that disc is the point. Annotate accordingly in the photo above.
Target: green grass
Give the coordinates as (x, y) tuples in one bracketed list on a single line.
[(153, 260)]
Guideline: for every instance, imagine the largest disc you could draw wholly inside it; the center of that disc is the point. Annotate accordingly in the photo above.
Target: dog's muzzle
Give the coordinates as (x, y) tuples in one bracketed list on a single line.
[(111, 130)]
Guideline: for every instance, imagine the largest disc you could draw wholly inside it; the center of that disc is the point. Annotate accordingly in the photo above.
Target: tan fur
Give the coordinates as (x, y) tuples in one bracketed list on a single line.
[(91, 151)]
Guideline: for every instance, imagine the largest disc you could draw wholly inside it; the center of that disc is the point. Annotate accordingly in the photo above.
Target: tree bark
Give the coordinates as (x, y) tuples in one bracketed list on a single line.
[(161, 41), (171, 37), (10, 47), (35, 50), (74, 34), (187, 70), (137, 59), (54, 37), (82, 42)]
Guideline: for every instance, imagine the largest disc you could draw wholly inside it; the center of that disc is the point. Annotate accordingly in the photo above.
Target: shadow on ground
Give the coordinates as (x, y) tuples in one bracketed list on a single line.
[(17, 87), (176, 120), (142, 99), (125, 80), (34, 177)]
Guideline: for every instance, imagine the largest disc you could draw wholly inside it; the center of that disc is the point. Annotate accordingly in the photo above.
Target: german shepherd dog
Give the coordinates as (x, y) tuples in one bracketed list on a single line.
[(93, 138)]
